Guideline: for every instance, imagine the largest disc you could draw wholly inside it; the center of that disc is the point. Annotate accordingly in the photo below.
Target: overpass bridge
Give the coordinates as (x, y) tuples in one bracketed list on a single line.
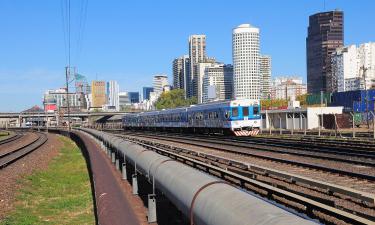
[(16, 119)]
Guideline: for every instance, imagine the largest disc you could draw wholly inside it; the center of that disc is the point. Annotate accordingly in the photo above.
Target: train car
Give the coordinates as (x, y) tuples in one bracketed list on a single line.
[(238, 117)]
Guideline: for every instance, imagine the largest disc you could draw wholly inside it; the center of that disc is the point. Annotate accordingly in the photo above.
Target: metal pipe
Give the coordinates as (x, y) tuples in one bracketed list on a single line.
[(219, 204)]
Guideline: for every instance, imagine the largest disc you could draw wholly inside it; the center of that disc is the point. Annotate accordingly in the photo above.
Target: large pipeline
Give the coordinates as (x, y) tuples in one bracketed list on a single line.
[(203, 198)]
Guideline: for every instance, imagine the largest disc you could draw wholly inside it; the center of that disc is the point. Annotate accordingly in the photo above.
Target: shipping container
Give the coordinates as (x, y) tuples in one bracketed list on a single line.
[(354, 100), (363, 107), (315, 99), (346, 99)]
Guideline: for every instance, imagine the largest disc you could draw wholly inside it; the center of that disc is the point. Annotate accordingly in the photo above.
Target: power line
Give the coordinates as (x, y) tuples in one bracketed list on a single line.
[(64, 28), (69, 33), (81, 30)]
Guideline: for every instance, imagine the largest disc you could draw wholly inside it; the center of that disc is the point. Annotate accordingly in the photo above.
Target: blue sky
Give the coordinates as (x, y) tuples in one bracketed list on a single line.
[(130, 41)]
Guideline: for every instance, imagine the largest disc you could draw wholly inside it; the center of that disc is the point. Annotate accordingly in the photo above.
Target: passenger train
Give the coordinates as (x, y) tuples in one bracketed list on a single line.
[(238, 117)]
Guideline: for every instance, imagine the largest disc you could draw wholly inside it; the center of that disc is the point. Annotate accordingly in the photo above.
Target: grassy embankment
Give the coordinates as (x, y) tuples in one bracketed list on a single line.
[(4, 134), (59, 195)]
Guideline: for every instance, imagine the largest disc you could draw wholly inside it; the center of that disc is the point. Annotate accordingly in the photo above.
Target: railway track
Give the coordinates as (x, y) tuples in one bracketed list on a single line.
[(10, 156), (324, 133), (325, 163), (349, 147), (358, 157), (15, 136), (330, 203)]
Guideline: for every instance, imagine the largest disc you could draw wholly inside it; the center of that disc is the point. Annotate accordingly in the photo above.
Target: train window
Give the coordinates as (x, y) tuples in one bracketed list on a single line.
[(245, 111), (234, 111), (226, 114), (255, 110)]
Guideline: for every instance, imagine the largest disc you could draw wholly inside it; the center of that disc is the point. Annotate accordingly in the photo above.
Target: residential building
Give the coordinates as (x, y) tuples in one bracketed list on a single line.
[(265, 76), (246, 71), (218, 83), (134, 97), (287, 87), (200, 72), (197, 54), (124, 99), (56, 99), (160, 81), (112, 92), (345, 67), (181, 72), (325, 35), (98, 93), (146, 92), (353, 67)]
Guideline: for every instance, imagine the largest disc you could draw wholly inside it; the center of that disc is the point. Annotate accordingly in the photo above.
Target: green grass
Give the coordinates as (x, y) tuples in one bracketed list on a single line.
[(59, 195), (4, 134)]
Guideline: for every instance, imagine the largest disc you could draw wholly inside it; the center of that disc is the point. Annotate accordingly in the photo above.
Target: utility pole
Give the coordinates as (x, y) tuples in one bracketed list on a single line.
[(364, 69), (67, 73)]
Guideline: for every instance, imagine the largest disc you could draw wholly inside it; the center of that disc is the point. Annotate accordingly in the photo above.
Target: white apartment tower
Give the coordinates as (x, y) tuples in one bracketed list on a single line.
[(197, 54), (265, 76), (113, 94), (353, 67), (245, 44), (160, 81)]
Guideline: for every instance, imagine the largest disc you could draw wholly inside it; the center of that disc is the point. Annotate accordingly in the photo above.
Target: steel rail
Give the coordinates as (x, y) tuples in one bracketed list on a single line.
[(362, 196), (12, 156), (263, 147), (277, 159), (10, 139), (309, 204)]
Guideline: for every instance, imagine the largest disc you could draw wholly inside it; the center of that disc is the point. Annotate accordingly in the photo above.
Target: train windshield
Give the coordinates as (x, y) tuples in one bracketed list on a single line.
[(245, 111), (255, 110), (234, 111)]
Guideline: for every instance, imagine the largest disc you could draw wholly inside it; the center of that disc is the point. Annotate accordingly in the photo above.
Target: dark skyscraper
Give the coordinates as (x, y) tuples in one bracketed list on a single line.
[(134, 97), (146, 92), (325, 34)]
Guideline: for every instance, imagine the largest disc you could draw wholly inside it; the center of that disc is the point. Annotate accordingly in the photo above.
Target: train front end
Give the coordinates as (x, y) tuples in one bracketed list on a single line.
[(245, 117)]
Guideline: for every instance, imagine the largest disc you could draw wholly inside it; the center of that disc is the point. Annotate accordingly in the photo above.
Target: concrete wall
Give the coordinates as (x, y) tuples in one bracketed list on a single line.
[(296, 119)]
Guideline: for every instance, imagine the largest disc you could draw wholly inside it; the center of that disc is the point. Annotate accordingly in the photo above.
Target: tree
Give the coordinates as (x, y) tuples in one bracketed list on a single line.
[(302, 99), (173, 99), (269, 103)]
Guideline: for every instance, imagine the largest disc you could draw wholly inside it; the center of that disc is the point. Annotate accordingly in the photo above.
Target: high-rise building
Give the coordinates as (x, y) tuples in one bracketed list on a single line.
[(265, 76), (146, 92), (56, 99), (245, 44), (218, 83), (353, 67), (181, 72), (134, 97), (160, 81), (112, 92), (200, 72), (287, 87), (124, 99), (197, 54), (98, 93), (325, 35)]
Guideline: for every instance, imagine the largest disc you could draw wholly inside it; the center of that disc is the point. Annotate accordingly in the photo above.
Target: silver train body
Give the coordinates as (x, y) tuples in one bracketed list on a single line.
[(238, 117)]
